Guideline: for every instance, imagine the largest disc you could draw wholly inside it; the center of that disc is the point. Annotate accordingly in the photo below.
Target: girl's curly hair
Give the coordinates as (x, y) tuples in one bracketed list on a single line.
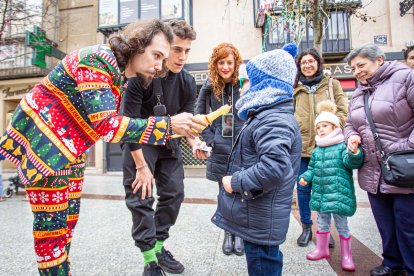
[(221, 51)]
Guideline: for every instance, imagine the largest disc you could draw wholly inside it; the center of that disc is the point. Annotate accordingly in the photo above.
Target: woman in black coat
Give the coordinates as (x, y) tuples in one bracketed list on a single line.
[(220, 89)]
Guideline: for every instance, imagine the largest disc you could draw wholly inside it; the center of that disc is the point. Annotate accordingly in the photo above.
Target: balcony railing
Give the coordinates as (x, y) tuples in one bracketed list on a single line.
[(15, 62), (275, 8), (335, 41)]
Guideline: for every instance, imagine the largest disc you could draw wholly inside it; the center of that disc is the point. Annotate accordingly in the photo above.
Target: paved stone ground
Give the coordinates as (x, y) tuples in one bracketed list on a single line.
[(102, 244)]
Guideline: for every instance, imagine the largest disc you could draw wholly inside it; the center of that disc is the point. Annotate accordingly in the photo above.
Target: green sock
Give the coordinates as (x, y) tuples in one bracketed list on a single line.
[(149, 256), (158, 246)]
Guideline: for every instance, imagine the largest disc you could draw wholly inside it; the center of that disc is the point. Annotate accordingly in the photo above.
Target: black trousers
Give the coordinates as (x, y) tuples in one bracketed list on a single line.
[(149, 225), (394, 215)]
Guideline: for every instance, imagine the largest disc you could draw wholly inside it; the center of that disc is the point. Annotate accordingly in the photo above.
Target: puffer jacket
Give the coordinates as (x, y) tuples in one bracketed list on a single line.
[(212, 135), (305, 109), (391, 102), (264, 165), (330, 172)]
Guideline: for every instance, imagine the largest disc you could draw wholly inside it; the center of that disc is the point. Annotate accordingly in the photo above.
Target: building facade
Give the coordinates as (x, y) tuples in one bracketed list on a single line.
[(79, 23)]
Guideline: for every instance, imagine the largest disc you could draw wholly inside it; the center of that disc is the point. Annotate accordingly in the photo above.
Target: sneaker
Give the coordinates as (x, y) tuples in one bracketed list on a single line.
[(152, 269), (168, 263)]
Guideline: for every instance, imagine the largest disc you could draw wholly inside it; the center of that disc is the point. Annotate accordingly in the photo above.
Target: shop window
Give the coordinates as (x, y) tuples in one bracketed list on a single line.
[(114, 13), (90, 157), (276, 32)]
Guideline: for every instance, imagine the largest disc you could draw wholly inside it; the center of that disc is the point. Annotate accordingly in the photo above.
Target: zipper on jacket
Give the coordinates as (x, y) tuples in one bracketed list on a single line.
[(237, 138)]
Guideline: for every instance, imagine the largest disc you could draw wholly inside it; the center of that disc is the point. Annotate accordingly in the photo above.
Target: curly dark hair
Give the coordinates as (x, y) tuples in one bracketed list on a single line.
[(135, 37), (221, 51), (315, 55), (182, 29), (407, 51)]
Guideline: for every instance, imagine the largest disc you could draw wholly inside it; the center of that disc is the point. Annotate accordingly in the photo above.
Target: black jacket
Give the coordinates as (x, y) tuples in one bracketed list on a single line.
[(217, 162), (179, 95)]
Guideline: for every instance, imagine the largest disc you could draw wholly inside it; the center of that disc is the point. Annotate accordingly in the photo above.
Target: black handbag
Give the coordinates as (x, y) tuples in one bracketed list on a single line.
[(397, 167)]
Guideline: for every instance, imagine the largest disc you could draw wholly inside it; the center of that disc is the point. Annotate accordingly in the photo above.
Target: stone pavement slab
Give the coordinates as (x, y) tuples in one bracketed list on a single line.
[(103, 246)]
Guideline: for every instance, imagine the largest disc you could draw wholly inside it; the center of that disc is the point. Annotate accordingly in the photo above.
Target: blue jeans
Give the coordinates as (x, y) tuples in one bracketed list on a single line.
[(263, 260), (304, 194), (341, 223)]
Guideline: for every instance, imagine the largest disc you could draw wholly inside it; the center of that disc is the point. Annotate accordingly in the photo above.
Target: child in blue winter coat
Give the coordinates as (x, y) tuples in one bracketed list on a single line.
[(255, 200), (333, 194)]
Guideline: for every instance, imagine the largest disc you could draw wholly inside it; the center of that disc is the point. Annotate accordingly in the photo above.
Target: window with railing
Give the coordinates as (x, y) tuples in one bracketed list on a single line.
[(14, 55), (114, 14), (15, 61), (270, 15), (277, 32), (19, 16)]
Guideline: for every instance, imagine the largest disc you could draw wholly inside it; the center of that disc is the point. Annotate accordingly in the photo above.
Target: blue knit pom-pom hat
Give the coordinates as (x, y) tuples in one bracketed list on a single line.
[(272, 75)]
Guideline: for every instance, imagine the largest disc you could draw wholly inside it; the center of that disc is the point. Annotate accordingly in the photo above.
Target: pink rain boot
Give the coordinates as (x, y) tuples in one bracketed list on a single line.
[(322, 247), (346, 254)]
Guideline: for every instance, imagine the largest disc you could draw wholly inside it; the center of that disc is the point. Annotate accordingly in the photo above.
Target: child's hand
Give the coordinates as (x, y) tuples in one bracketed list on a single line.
[(355, 149), (353, 143), (227, 184), (303, 182)]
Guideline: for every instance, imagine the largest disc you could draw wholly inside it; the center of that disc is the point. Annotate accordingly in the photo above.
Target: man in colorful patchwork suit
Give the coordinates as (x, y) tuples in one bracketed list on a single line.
[(76, 104)]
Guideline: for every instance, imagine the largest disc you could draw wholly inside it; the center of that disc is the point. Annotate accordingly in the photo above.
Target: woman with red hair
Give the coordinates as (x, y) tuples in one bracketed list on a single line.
[(223, 87)]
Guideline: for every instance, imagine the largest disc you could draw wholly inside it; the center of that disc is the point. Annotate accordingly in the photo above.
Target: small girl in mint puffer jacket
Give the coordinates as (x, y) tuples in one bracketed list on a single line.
[(333, 194)]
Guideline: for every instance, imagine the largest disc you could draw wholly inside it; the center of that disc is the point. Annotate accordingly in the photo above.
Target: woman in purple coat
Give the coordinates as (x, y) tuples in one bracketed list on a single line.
[(391, 100)]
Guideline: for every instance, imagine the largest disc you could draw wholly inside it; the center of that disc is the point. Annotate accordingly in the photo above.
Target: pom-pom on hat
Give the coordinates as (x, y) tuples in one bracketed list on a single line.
[(277, 64), (327, 110), (272, 75)]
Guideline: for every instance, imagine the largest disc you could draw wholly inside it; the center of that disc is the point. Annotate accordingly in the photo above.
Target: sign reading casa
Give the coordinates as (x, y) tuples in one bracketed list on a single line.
[(342, 70)]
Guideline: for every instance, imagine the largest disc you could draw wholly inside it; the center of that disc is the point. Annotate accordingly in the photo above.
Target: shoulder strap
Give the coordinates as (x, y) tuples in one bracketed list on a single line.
[(157, 87), (372, 125), (208, 100), (331, 90)]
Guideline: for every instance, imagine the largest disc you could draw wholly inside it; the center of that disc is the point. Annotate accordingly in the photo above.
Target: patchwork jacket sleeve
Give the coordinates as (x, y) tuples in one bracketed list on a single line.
[(98, 80)]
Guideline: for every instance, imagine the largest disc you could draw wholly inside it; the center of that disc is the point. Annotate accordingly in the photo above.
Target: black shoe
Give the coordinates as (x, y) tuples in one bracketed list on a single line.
[(306, 235), (383, 270), (238, 246), (152, 269), (398, 272), (168, 263), (331, 242), (227, 243)]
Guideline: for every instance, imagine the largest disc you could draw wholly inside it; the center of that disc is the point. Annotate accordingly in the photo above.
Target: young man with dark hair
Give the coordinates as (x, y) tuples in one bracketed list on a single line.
[(75, 105), (172, 94)]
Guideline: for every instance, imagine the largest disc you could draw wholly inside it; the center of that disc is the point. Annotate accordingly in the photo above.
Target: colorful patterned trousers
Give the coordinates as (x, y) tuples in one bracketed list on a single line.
[(55, 203)]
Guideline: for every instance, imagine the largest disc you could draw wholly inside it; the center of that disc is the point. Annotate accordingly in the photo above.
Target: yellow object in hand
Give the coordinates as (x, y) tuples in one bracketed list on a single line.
[(209, 118)]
